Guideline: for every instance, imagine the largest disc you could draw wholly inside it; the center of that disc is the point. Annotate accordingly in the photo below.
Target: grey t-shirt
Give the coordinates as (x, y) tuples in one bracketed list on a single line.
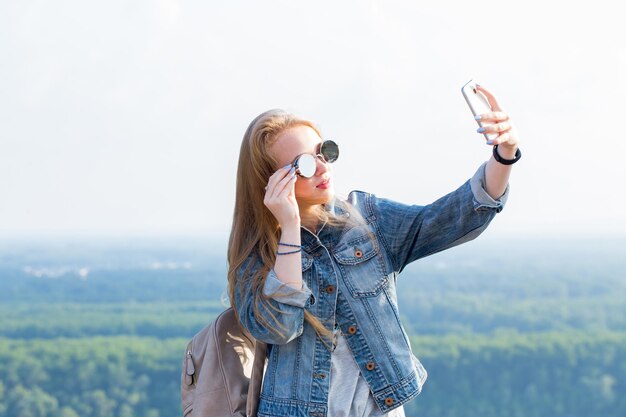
[(349, 395)]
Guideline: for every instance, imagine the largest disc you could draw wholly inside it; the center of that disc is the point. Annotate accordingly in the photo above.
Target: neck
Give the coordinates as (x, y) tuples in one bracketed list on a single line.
[(308, 218)]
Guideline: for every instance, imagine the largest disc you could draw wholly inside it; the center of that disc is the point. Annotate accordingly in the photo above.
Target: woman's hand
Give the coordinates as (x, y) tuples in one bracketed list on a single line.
[(498, 122), (280, 197), (497, 174)]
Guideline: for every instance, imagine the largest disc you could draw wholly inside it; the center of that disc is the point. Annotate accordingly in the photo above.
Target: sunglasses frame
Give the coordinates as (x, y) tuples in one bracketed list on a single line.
[(296, 162)]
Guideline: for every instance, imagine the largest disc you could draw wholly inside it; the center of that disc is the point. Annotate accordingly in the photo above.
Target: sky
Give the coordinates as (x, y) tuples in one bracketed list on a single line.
[(125, 118)]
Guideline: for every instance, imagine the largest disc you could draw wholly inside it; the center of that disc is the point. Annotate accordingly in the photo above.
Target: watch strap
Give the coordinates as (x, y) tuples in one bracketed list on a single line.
[(496, 155)]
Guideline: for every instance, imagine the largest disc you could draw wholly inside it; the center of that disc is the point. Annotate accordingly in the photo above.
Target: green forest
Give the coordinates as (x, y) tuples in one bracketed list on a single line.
[(92, 329)]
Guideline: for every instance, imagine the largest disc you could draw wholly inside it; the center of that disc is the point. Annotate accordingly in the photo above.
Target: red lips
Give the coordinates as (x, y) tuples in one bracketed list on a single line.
[(324, 184)]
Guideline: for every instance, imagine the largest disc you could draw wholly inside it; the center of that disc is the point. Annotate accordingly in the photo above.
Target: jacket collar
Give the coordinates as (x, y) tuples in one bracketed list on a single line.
[(311, 241)]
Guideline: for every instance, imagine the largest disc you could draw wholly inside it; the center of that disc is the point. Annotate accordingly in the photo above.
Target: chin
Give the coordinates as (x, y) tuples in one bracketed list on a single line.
[(328, 199), (326, 195), (319, 197)]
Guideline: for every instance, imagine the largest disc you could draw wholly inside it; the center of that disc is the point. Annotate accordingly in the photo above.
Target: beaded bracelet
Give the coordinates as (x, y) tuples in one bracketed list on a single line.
[(287, 253), (289, 244)]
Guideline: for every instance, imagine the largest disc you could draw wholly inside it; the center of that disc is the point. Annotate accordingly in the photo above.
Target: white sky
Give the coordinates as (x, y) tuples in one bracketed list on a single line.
[(125, 117)]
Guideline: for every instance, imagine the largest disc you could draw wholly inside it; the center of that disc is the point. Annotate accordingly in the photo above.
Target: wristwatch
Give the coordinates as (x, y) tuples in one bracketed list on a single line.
[(496, 155)]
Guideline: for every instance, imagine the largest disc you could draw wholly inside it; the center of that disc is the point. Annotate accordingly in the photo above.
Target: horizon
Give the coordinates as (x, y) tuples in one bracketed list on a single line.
[(208, 248)]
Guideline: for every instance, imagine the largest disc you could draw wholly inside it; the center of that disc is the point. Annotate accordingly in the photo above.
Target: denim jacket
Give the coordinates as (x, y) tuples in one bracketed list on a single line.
[(349, 282)]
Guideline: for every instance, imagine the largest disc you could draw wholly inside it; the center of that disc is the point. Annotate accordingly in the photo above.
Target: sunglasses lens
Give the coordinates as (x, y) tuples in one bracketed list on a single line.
[(330, 150), (306, 165)]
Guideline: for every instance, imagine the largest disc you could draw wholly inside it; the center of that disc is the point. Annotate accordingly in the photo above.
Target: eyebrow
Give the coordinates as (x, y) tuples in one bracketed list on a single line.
[(318, 149)]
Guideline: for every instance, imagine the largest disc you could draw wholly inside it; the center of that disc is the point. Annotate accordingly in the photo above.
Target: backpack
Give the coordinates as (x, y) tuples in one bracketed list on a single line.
[(222, 370)]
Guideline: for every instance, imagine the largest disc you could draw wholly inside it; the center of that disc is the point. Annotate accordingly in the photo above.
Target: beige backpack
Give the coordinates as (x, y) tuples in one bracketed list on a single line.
[(222, 370)]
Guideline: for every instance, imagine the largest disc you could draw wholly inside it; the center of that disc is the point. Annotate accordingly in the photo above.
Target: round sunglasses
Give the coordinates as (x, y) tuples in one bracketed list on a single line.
[(306, 164)]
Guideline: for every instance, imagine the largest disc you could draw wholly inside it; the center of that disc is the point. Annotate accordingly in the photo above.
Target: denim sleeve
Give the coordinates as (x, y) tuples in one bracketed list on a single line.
[(282, 306), (411, 232), (481, 198), (286, 294)]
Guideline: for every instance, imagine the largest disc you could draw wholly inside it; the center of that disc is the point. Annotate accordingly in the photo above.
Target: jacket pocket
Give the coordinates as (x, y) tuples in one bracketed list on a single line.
[(360, 263)]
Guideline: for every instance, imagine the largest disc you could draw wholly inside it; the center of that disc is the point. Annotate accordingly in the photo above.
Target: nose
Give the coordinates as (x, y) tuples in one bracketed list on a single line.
[(322, 166)]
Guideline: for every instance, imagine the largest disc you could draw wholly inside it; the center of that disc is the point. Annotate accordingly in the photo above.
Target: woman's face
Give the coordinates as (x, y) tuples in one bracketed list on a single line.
[(291, 143)]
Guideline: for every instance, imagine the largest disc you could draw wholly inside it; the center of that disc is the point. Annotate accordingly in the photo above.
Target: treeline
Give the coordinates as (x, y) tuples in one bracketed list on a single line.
[(422, 313), (568, 374), (116, 285), (209, 283), (156, 319)]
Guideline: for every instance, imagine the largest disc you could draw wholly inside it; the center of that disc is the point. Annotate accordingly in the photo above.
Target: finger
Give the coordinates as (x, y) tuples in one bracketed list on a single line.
[(496, 116), (280, 186), (490, 97), (277, 176), (495, 128), (506, 137), (289, 187)]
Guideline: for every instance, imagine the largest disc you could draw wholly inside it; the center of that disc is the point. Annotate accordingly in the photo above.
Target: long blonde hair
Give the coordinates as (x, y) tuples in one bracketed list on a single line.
[(255, 231)]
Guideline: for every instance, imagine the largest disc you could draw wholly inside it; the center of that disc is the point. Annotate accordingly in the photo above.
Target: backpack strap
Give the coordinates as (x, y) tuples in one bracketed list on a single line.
[(256, 378)]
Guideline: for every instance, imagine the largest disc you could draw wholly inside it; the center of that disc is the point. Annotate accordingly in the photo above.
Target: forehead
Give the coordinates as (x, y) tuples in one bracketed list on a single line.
[(293, 142)]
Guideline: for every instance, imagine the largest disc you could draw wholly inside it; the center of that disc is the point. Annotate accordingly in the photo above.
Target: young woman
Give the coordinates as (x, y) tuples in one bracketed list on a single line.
[(314, 276)]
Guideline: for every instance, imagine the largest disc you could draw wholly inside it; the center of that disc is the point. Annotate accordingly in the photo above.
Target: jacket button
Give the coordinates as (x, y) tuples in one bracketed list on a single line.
[(330, 289), (370, 366), (352, 329), (358, 252), (388, 401)]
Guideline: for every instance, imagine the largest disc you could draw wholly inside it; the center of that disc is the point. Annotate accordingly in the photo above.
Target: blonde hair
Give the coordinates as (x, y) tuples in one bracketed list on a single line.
[(255, 231)]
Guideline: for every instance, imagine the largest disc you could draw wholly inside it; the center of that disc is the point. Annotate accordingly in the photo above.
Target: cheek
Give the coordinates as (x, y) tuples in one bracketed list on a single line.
[(302, 187)]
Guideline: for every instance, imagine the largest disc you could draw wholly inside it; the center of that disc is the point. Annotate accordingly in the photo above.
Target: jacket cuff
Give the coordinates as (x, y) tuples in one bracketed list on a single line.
[(286, 294), (482, 200)]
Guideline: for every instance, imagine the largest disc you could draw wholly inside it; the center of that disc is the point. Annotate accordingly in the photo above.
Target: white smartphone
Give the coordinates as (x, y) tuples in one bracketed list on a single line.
[(478, 104)]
